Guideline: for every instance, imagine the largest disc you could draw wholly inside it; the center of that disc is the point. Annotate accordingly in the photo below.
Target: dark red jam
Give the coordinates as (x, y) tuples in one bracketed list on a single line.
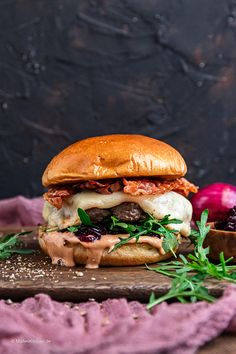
[(90, 233), (229, 224), (94, 233)]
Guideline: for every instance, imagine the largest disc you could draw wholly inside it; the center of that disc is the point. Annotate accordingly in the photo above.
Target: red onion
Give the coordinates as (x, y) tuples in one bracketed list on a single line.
[(218, 198)]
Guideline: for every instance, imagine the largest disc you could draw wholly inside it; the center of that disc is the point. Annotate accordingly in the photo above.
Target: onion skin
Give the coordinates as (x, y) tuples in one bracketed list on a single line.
[(218, 198)]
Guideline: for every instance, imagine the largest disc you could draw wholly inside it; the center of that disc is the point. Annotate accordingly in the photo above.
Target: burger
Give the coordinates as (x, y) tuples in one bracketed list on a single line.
[(115, 200)]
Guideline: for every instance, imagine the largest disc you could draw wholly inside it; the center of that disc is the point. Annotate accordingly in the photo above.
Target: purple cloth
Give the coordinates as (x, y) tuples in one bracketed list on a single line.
[(40, 325), (20, 211)]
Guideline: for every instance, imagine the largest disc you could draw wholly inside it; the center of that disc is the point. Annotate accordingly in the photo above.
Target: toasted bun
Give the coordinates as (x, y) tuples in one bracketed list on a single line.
[(126, 255), (114, 156)]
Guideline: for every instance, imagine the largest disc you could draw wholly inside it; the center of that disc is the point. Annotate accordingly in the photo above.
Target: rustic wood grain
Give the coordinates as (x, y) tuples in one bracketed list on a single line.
[(226, 343), (26, 275)]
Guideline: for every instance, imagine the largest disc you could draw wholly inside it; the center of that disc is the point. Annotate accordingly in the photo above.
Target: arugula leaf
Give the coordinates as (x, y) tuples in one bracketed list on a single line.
[(84, 217), (74, 228), (144, 227), (183, 288), (169, 242), (124, 241), (147, 226), (8, 242), (117, 222), (166, 220)]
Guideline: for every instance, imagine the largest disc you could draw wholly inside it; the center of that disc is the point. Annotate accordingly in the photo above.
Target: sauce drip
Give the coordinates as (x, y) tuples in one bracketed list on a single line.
[(61, 246)]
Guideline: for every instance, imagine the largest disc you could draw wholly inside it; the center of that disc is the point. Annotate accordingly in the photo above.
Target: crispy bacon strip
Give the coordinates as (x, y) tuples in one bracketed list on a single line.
[(92, 185), (144, 186), (139, 186), (185, 187), (55, 196), (149, 186), (101, 187)]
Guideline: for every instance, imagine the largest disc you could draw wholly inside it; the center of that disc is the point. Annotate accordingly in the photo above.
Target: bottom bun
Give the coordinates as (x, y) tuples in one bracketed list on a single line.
[(126, 255), (66, 249)]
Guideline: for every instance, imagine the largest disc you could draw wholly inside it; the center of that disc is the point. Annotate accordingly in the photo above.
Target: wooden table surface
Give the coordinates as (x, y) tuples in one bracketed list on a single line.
[(22, 276), (26, 275)]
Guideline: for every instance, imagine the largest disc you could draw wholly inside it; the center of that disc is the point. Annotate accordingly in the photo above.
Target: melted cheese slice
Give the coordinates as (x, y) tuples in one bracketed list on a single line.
[(157, 205)]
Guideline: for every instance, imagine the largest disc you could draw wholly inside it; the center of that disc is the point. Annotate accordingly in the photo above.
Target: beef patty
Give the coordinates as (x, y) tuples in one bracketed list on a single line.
[(128, 212)]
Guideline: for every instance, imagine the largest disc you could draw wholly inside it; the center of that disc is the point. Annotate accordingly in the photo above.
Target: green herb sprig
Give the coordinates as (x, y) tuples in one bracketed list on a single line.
[(8, 244), (183, 288), (149, 225), (187, 287), (84, 218)]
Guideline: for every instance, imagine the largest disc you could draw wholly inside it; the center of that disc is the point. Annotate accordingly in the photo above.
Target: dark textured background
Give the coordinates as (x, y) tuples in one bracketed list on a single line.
[(72, 69)]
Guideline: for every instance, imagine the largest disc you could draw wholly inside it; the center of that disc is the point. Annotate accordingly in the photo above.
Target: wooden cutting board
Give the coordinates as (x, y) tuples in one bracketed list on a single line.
[(26, 275)]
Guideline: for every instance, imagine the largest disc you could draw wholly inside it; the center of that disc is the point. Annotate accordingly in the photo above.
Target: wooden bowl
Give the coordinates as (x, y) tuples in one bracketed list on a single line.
[(221, 240)]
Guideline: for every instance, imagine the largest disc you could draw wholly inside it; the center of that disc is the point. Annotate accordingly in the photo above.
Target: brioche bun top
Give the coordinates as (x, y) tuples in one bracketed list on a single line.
[(114, 156)]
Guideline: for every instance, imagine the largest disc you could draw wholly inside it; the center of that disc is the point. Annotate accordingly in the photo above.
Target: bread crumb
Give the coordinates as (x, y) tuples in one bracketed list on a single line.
[(83, 313), (9, 301), (135, 316)]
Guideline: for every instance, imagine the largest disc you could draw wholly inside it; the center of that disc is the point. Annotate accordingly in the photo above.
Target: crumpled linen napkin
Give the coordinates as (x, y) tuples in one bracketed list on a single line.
[(20, 211), (41, 325)]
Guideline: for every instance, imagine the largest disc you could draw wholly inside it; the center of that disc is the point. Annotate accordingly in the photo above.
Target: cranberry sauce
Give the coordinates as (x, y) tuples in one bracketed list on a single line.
[(90, 233), (229, 224), (94, 233)]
